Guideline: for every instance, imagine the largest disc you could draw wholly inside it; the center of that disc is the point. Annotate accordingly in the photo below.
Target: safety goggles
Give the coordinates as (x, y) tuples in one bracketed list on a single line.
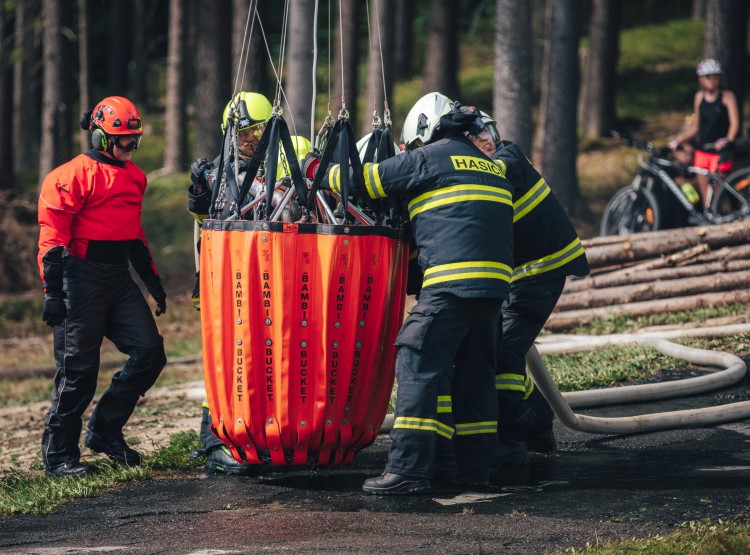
[(129, 146), (255, 130)]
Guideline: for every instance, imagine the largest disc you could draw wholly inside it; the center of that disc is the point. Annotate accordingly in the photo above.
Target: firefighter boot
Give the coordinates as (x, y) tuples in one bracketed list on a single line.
[(70, 469), (512, 435), (392, 484), (219, 460)]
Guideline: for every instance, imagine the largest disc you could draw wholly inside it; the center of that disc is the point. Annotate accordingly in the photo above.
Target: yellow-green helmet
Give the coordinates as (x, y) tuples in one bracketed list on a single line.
[(301, 147), (257, 106)]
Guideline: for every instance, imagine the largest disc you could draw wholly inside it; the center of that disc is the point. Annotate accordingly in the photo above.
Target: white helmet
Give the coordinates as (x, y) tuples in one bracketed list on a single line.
[(708, 67), (362, 146), (490, 126), (422, 120)]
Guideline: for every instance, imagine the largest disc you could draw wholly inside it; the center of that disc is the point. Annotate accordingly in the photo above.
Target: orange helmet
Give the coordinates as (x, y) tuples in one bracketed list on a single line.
[(113, 117)]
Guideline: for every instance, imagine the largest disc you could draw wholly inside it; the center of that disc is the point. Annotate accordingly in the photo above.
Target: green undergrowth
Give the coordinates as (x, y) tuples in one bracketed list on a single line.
[(705, 537), (25, 492)]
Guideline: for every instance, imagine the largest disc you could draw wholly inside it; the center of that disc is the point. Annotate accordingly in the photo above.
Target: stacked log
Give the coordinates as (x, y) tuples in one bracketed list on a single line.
[(656, 272)]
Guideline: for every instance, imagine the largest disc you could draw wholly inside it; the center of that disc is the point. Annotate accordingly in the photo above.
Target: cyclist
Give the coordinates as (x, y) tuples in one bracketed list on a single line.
[(715, 125)]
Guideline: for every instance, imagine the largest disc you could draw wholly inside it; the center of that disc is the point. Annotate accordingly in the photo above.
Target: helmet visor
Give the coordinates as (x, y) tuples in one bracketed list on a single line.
[(127, 143)]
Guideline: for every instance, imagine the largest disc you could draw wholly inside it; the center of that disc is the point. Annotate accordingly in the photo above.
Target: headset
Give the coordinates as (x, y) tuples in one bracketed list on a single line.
[(98, 136)]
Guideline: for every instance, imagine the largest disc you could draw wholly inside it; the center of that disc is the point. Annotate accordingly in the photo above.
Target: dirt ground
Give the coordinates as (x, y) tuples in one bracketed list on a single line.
[(165, 410)]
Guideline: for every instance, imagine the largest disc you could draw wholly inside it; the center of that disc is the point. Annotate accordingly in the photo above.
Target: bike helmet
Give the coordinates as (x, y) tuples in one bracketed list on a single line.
[(708, 67), (114, 117), (423, 119), (246, 109), (362, 146)]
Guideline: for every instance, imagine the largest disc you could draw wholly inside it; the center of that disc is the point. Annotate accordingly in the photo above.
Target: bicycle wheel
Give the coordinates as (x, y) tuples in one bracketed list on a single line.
[(727, 203), (631, 211)]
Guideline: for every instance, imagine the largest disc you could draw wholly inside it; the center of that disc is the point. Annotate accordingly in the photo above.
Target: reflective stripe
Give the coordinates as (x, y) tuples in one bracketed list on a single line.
[(458, 193), (529, 383), (472, 428), (483, 269), (551, 262), (510, 382), (334, 178), (372, 181), (425, 424), (530, 200), (444, 404)]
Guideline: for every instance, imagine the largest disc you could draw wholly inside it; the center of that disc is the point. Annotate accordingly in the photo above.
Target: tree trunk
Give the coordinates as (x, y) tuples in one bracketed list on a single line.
[(119, 51), (560, 137), (379, 72), (402, 41), (541, 119), (6, 99), (84, 98), (648, 291), (27, 89), (54, 112), (299, 70), (698, 10), (725, 39), (348, 33), (512, 86), (441, 58), (175, 149), (568, 319), (599, 88), (213, 53), (249, 67), (632, 276)]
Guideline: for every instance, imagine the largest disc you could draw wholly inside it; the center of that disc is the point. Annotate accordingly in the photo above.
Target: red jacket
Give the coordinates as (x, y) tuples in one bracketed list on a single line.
[(92, 197)]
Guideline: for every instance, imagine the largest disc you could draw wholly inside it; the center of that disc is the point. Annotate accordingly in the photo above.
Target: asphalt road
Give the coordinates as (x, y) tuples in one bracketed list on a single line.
[(592, 490)]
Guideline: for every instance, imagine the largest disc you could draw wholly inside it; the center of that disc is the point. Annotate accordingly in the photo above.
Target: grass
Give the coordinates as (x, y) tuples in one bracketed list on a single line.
[(705, 537), (42, 495)]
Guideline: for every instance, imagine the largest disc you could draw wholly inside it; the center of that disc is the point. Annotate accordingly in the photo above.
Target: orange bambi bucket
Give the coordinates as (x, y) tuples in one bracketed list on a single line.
[(299, 322)]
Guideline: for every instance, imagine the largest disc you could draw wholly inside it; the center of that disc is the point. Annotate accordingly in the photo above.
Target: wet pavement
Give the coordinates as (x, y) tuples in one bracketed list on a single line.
[(592, 490)]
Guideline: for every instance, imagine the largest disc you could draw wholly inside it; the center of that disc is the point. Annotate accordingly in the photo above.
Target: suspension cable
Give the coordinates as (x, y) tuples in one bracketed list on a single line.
[(341, 55), (314, 67), (244, 49), (380, 48)]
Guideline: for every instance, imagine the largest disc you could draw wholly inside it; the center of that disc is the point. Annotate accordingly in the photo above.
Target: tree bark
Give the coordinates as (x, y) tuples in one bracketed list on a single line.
[(442, 55), (512, 85), (213, 53), (27, 89), (379, 72), (402, 40), (698, 10), (7, 180), (597, 108), (54, 111), (348, 33), (175, 148), (560, 137), (565, 320), (632, 276), (84, 98), (299, 69), (249, 68), (651, 290)]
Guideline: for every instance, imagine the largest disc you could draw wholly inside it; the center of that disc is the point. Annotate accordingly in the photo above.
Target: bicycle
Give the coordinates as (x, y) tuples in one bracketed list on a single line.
[(655, 201)]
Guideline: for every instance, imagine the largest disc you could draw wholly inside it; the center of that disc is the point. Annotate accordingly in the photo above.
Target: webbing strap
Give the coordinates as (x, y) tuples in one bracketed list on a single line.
[(372, 144), (217, 185)]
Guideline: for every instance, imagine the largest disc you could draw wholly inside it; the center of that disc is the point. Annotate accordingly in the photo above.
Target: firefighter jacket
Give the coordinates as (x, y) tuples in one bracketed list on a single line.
[(91, 207), (461, 211), (545, 243)]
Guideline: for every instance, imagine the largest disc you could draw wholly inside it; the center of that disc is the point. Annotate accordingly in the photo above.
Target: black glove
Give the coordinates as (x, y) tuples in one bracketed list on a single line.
[(54, 310), (156, 290), (310, 165), (198, 171)]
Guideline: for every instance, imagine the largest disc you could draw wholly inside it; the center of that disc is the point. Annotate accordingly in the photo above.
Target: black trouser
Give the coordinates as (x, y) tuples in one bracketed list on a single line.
[(103, 301), (523, 317), (446, 340), (207, 438)]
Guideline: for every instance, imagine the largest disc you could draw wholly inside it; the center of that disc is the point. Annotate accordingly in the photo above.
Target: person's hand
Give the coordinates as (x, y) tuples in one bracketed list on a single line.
[(198, 175), (673, 145), (156, 291), (721, 143), (54, 310), (310, 165)]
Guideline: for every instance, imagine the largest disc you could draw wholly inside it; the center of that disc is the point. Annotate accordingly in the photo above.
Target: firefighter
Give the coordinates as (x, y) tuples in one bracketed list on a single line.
[(250, 122), (461, 215), (546, 250), (90, 229)]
